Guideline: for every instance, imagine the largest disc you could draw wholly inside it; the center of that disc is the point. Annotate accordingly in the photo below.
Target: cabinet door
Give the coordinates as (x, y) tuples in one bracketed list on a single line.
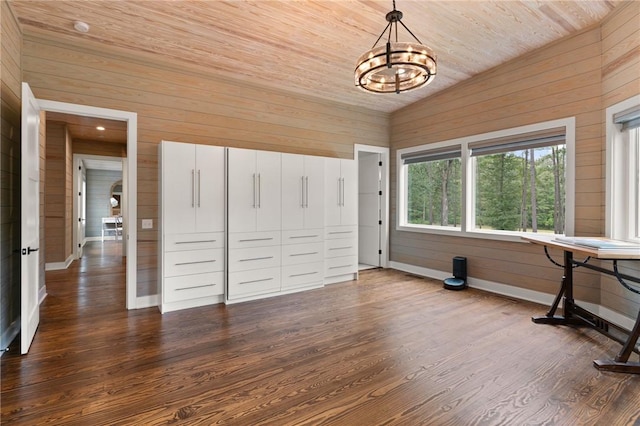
[(292, 191), (241, 187), (178, 187), (333, 191), (269, 199), (209, 188), (349, 174), (314, 192)]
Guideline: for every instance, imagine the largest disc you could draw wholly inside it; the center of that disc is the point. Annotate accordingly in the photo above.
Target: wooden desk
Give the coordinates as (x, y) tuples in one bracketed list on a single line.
[(575, 315)]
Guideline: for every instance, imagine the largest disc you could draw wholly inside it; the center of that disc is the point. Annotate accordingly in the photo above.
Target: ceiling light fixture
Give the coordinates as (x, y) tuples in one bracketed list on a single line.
[(100, 128), (397, 66)]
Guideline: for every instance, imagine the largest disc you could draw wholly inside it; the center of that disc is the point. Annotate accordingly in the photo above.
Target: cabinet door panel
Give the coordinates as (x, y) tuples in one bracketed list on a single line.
[(241, 178), (193, 286), (268, 191), (349, 173), (209, 188), (333, 191), (314, 192), (292, 191), (178, 192)]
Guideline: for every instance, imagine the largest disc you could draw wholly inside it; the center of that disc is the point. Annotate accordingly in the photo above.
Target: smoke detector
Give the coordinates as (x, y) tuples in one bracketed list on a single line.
[(81, 27)]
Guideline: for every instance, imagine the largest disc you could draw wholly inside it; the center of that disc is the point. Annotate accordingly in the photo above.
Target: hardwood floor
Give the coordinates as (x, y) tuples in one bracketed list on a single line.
[(389, 349)]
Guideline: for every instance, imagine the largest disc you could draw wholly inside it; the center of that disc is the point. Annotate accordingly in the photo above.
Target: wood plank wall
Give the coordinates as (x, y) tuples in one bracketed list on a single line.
[(557, 81), (181, 103), (560, 80), (10, 96), (55, 198), (620, 81)]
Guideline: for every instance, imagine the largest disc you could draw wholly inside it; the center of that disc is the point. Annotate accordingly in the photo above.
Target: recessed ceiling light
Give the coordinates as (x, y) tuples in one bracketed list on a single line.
[(100, 128), (81, 27)]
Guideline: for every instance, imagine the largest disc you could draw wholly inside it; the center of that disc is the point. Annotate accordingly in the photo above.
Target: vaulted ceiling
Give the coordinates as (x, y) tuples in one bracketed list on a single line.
[(310, 47)]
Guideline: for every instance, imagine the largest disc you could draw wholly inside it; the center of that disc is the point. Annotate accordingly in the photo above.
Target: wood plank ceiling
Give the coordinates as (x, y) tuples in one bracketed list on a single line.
[(310, 47)]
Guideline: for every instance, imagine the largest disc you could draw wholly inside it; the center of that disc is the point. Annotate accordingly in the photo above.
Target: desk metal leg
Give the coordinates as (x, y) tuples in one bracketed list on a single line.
[(566, 290), (621, 362)]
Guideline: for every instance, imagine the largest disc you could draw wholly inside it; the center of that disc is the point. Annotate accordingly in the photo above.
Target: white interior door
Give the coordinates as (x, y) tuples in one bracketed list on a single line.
[(30, 218), (369, 213), (82, 209)]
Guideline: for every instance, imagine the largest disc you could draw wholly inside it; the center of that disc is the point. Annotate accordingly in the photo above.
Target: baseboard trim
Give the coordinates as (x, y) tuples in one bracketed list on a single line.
[(56, 266), (518, 293), (9, 334), (42, 294), (150, 301)]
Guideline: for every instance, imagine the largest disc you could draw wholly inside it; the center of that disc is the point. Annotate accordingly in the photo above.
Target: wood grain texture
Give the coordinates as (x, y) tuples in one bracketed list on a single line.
[(179, 104), (560, 80), (55, 194), (389, 349), (10, 102), (310, 47)]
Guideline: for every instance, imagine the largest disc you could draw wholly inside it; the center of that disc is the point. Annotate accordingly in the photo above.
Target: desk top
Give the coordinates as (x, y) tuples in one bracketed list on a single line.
[(620, 254)]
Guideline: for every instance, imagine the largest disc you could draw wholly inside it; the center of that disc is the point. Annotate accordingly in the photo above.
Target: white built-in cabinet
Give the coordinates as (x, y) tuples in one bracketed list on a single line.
[(254, 223), (191, 225), (291, 224), (341, 220), (303, 201)]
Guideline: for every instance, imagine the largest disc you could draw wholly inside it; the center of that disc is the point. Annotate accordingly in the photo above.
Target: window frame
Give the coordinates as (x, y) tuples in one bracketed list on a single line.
[(468, 183), (621, 208)]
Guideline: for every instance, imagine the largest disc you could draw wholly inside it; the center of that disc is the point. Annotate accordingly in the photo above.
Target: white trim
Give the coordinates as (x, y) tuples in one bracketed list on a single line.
[(518, 293), (132, 174), (466, 228), (56, 266), (150, 301), (42, 294), (9, 335), (384, 151), (613, 154)]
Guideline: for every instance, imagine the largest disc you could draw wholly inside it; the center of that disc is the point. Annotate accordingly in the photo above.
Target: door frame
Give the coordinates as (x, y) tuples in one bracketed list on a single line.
[(131, 118), (77, 161), (384, 202)]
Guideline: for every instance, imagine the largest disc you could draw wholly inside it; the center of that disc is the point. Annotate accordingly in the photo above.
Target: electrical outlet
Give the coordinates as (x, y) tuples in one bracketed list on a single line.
[(147, 223)]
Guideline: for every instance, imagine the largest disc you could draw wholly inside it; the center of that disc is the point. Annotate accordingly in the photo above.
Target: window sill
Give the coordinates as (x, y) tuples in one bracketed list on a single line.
[(457, 232)]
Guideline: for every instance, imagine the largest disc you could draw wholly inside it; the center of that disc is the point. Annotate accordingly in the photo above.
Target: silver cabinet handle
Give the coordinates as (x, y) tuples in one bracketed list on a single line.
[(303, 254), (341, 248), (194, 242), (193, 189), (255, 202), (259, 192), (302, 191), (194, 263), (339, 232), (339, 266), (306, 190), (198, 187), (303, 236), (343, 192), (255, 258), (195, 286), (255, 281), (302, 275), (255, 239)]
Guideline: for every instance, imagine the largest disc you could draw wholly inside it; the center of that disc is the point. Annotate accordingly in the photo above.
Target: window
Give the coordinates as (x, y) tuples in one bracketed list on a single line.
[(519, 182), (434, 187), (623, 170), (495, 185)]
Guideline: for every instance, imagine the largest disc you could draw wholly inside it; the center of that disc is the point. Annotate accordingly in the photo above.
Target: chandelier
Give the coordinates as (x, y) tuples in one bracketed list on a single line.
[(397, 66)]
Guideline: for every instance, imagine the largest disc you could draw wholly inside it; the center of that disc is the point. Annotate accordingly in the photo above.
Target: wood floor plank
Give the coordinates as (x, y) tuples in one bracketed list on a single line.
[(388, 349)]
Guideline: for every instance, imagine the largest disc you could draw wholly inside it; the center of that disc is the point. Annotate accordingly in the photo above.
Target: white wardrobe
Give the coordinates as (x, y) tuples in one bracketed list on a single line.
[(191, 225), (341, 220), (254, 224), (291, 224)]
